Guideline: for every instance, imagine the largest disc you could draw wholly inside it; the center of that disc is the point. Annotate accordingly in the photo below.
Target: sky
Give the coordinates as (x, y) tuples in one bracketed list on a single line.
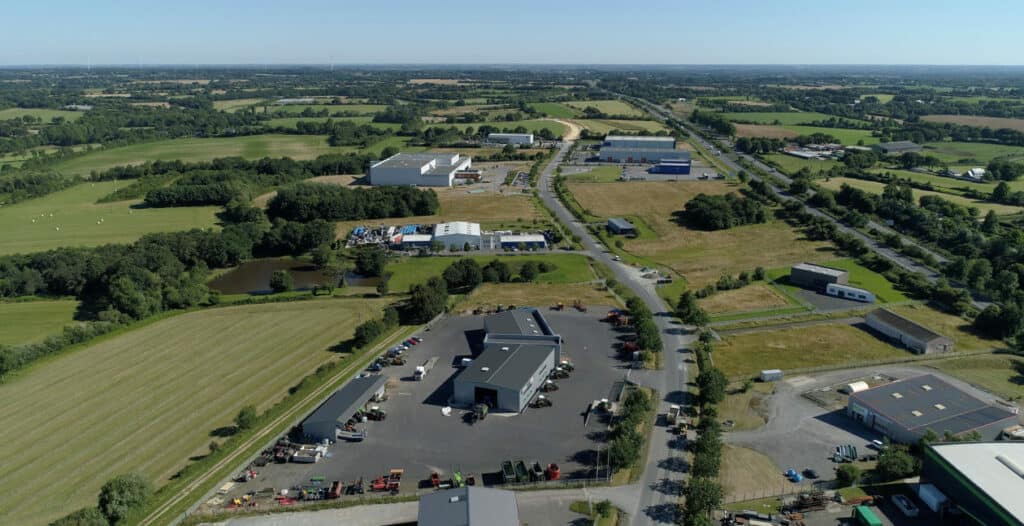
[(191, 32)]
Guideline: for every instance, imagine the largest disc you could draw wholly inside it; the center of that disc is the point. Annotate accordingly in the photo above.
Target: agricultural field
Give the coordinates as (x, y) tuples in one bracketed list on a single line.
[(977, 120), (541, 295), (609, 107), (884, 98), (140, 402), (73, 218), (845, 136), (756, 296), (358, 109), (569, 268), (790, 165), (877, 188), (31, 321), (1001, 374), (764, 130), (971, 153), (45, 114), (234, 105), (555, 109), (702, 257), (604, 126), (953, 327), (780, 118), (744, 355), (192, 150)]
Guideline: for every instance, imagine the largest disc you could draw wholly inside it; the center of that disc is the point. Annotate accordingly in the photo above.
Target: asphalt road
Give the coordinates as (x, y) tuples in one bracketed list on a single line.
[(657, 497)]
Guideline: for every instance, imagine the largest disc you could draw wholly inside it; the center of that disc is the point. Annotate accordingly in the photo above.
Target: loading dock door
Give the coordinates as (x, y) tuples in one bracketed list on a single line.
[(483, 395)]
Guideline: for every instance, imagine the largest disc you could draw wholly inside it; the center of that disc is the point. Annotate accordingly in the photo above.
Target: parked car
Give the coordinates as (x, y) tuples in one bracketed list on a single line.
[(418, 339), (810, 473)]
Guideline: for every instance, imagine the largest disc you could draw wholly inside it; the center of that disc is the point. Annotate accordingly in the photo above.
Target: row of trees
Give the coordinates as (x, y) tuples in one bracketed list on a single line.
[(306, 202), (625, 439), (648, 336), (714, 121), (703, 492)]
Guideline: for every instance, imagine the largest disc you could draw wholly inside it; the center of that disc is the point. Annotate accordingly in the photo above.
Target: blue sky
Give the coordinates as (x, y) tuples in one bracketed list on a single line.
[(521, 31)]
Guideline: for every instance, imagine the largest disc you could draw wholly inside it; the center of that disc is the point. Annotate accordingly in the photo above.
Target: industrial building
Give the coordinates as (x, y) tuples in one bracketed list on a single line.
[(914, 336), (520, 351), (418, 169), (982, 481), (897, 147), (518, 139), (414, 241), (905, 409), (617, 225), (322, 424), (523, 241), (640, 149), (457, 234), (817, 277), (469, 506), (849, 293), (679, 165)]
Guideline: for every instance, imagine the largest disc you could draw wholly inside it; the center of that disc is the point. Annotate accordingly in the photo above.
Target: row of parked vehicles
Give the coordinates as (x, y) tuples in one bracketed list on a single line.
[(517, 471), (395, 355)]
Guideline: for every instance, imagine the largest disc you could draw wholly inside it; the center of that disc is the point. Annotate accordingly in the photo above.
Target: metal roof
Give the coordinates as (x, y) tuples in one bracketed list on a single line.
[(620, 223), (523, 322), (820, 269), (523, 238), (511, 135), (644, 138), (469, 506), (928, 402), (996, 468), (605, 150), (346, 401), (506, 365), (915, 330), (417, 160), (455, 228)]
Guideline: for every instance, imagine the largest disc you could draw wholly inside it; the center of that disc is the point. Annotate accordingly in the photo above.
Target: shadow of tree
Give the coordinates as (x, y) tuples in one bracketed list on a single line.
[(224, 431)]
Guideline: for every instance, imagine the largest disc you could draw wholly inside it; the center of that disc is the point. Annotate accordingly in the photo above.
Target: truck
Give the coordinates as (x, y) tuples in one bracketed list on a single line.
[(865, 517), (673, 414), (422, 370)]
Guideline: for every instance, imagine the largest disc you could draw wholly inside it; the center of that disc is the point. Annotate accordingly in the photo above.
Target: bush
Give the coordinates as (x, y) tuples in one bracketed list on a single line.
[(604, 508), (246, 417), (82, 517), (281, 281), (847, 475), (120, 495), (719, 212)]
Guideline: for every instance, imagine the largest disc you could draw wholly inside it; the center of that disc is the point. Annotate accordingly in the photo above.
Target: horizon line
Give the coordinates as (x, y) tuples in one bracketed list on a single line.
[(488, 64)]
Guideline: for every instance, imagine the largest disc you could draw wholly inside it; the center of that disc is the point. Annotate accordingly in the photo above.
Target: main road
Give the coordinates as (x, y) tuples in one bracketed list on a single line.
[(655, 500)]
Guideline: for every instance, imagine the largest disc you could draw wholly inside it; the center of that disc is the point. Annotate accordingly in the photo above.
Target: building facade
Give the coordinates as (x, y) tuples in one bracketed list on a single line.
[(912, 335), (523, 241), (322, 424), (640, 149), (849, 293), (984, 482), (418, 169), (457, 234), (518, 139), (817, 277)]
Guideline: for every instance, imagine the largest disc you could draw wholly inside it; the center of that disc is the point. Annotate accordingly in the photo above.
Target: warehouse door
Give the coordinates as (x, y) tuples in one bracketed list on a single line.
[(483, 395)]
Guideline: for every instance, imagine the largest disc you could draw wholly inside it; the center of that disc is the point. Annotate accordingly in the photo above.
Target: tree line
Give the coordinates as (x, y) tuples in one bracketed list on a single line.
[(719, 212)]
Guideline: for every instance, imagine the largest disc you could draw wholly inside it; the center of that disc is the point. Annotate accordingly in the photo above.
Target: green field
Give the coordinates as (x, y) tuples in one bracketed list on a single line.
[(785, 118), (790, 165), (845, 135), (69, 218), (603, 126), (555, 109), (570, 268), (977, 153), (359, 109), (41, 113), (250, 147), (876, 188), (31, 321), (860, 276), (148, 399), (234, 105), (610, 107), (1002, 375)]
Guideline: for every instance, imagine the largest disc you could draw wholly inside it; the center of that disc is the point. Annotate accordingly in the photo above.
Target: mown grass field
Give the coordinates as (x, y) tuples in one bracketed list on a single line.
[(45, 114), (971, 153), (790, 165), (607, 125), (845, 136), (756, 296), (610, 107), (1000, 374), (744, 355), (569, 268), (191, 150), (782, 118), (555, 109), (746, 473), (764, 130), (702, 257), (978, 120), (70, 218), (31, 321), (234, 105), (882, 97), (876, 188), (945, 183), (540, 295), (148, 399)]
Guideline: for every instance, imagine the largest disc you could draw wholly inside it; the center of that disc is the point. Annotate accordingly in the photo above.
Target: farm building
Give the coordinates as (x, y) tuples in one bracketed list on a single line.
[(897, 147), (469, 506), (418, 169), (905, 409), (975, 174), (457, 233), (519, 139), (520, 351), (638, 149), (849, 293), (414, 241), (322, 424), (680, 164), (527, 241), (817, 277), (983, 481), (914, 336), (617, 225)]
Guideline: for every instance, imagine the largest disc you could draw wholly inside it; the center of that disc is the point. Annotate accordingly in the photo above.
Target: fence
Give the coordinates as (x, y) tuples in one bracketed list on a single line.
[(786, 489)]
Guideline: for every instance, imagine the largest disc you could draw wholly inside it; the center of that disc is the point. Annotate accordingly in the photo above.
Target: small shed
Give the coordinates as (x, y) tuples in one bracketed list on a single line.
[(617, 225), (771, 375), (856, 387)]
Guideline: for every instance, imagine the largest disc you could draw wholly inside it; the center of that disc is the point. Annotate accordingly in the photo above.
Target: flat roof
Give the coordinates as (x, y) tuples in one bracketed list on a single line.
[(346, 401), (417, 160), (457, 228), (416, 238), (506, 365), (620, 222), (510, 135), (515, 238), (469, 506), (523, 322), (917, 331), (928, 402), (639, 149), (996, 468), (820, 269), (645, 138)]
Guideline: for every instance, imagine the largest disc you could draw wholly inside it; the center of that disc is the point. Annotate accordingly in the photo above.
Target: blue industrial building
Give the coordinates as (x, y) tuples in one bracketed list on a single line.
[(680, 164)]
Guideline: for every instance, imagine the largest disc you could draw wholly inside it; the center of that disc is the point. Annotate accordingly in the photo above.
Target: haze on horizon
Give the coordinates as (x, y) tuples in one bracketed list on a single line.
[(935, 32)]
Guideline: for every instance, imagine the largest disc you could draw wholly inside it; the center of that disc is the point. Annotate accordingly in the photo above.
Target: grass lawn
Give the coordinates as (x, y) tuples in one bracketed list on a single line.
[(756, 296), (600, 174), (782, 118), (540, 295), (702, 257), (555, 109), (31, 321), (45, 114), (877, 188), (609, 107), (192, 150), (234, 105), (790, 165), (976, 153), (745, 408), (953, 327), (846, 136), (764, 130), (32, 226), (569, 268), (146, 400), (607, 125), (747, 474), (744, 355), (999, 374)]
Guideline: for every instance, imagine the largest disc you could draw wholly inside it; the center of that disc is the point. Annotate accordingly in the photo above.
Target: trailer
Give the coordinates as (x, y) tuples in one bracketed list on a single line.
[(422, 370), (673, 414), (536, 471), (508, 472), (865, 517), (351, 436), (522, 473)]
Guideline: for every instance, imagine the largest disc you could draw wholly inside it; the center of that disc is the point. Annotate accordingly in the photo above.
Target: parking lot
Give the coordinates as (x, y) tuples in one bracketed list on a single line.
[(418, 438)]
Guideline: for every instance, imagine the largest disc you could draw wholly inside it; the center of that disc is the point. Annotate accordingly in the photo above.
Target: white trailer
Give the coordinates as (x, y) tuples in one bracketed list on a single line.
[(422, 370)]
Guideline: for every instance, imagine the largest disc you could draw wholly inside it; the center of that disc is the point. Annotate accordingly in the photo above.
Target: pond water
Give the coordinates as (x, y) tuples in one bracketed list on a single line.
[(253, 277)]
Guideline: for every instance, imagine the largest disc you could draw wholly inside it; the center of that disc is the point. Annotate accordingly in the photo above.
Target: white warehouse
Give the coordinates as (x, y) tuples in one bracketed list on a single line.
[(521, 139), (418, 169), (457, 233)]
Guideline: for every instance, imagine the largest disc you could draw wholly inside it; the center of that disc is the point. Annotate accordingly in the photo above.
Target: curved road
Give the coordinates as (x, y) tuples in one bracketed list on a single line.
[(655, 500)]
